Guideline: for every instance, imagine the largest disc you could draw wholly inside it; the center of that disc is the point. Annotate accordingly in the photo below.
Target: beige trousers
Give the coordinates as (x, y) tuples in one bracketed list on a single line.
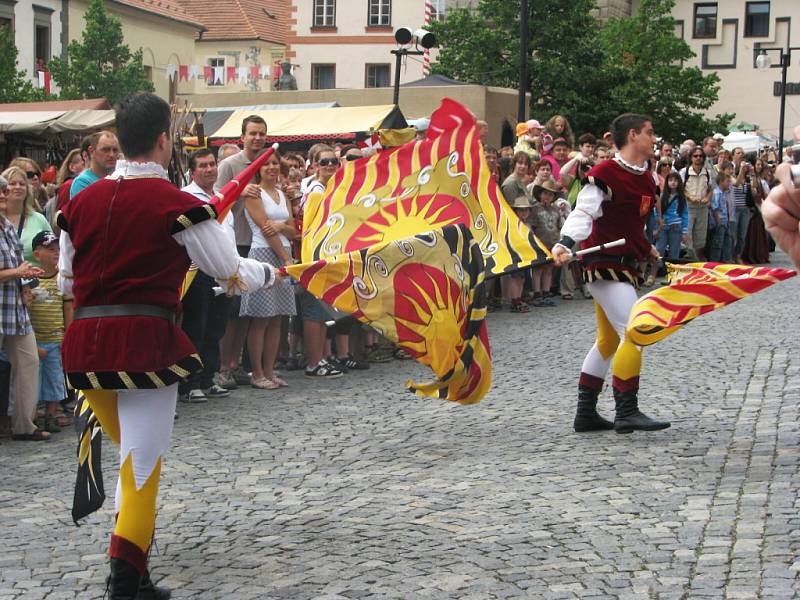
[(24, 358)]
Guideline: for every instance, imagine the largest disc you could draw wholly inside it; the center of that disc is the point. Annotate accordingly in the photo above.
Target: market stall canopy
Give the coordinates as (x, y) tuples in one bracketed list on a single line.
[(433, 81), (314, 123), (55, 117), (749, 142)]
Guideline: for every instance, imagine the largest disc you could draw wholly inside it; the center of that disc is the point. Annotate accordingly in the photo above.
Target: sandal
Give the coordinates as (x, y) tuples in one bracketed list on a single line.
[(37, 436), (566, 296), (278, 380), (264, 384)]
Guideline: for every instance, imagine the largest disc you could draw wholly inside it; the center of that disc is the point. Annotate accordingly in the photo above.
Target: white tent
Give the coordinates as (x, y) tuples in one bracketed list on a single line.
[(749, 142)]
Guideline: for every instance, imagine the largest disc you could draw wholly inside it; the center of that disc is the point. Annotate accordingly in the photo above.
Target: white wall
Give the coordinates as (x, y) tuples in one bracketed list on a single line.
[(24, 32), (745, 90)]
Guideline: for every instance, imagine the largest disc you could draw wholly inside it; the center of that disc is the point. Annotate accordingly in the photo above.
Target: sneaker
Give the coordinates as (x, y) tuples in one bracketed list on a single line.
[(351, 362), (376, 355), (216, 391), (196, 397), (324, 369), (293, 363), (337, 363), (225, 380), (241, 376)]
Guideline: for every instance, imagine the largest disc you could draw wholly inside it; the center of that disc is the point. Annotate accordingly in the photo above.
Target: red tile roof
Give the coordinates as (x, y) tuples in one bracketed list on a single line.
[(266, 20), (172, 9)]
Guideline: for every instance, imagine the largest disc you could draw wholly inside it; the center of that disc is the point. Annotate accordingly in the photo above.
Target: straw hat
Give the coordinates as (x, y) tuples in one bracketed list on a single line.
[(548, 185), (521, 202)]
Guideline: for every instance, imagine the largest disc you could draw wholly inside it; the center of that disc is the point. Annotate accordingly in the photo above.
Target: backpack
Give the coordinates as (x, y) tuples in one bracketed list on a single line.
[(705, 170)]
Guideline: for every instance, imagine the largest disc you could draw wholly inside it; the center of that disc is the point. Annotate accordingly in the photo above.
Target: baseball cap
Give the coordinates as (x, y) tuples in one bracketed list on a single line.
[(43, 238)]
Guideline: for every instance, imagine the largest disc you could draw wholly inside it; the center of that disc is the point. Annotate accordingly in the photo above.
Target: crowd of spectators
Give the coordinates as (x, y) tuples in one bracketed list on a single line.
[(708, 209)]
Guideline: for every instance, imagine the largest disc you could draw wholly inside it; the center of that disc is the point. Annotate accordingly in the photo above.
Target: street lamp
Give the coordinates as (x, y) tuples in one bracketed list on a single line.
[(422, 38), (763, 62)]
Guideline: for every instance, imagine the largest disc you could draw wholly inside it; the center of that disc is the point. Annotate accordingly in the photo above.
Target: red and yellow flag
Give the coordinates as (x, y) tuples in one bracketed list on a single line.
[(420, 186), (695, 289), (425, 293)]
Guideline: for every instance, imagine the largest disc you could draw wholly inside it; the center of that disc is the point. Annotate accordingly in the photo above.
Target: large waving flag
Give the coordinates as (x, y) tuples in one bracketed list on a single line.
[(695, 289), (425, 293), (89, 491), (421, 186)]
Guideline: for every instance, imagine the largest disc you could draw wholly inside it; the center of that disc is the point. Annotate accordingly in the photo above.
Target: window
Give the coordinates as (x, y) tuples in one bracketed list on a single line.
[(705, 20), (380, 13), (7, 14), (41, 36), (378, 76), (438, 10), (324, 13), (215, 63), (756, 19), (323, 77)]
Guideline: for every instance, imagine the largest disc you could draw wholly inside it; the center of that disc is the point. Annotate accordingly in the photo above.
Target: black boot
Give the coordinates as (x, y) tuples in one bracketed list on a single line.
[(149, 591), (630, 418), (123, 583), (587, 417)]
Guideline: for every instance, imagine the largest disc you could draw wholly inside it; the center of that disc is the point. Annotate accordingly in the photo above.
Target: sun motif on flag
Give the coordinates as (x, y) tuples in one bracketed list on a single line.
[(430, 314), (407, 217)]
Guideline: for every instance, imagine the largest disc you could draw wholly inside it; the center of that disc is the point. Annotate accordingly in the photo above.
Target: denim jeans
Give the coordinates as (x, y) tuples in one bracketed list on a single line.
[(652, 226), (670, 237), (720, 244), (743, 216)]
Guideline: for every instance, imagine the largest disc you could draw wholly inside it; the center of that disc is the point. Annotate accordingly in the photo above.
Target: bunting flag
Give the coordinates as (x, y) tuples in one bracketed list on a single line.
[(89, 491), (183, 73), (425, 293), (208, 74), (241, 74), (254, 72), (170, 71), (695, 289), (420, 186), (230, 74), (219, 75), (194, 72)]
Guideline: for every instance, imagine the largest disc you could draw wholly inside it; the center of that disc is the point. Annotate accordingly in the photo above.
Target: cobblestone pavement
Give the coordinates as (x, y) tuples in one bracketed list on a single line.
[(356, 489)]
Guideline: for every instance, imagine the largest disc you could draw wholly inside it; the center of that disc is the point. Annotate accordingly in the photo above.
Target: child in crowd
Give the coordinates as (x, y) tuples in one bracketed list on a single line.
[(675, 218), (721, 200), (515, 282), (542, 171), (545, 223), (51, 314), (530, 140)]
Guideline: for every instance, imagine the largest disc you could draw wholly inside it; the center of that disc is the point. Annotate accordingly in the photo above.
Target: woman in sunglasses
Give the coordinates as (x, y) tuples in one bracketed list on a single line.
[(20, 211), (34, 173)]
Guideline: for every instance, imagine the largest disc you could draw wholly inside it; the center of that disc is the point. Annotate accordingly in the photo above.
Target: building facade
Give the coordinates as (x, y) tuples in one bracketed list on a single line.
[(348, 43), (39, 31), (725, 35)]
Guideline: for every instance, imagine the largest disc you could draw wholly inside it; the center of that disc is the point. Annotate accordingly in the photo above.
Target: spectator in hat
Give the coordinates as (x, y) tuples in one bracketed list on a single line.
[(545, 223), (529, 138), (51, 314), (515, 282)]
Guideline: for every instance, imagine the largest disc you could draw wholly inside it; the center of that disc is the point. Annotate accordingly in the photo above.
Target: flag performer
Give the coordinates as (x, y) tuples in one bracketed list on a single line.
[(615, 203), (126, 244)]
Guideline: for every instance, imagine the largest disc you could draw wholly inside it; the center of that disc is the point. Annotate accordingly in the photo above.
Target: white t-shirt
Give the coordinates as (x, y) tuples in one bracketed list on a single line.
[(278, 212)]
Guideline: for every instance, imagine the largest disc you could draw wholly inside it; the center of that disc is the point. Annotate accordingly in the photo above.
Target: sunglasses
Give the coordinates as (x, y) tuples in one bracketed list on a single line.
[(328, 162), (350, 157), (698, 155), (32, 174)]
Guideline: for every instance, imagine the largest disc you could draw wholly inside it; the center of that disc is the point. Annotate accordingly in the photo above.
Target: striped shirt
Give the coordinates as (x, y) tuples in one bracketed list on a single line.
[(47, 311), (740, 194), (13, 314)]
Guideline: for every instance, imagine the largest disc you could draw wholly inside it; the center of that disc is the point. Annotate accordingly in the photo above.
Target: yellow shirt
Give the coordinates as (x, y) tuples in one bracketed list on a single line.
[(47, 311)]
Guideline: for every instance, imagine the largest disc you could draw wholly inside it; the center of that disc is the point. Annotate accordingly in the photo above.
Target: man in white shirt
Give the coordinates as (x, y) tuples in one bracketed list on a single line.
[(205, 314)]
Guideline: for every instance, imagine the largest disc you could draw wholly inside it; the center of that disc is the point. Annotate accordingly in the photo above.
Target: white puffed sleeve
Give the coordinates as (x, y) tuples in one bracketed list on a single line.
[(213, 250), (66, 253), (588, 207)]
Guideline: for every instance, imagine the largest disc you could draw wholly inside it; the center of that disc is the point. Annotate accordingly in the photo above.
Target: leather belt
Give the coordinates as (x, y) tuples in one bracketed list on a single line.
[(124, 310), (625, 261)]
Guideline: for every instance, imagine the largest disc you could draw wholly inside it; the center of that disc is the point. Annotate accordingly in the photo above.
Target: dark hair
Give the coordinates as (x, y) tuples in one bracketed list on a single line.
[(276, 156), (560, 142), (624, 123), (587, 138), (722, 176), (488, 149), (90, 140), (253, 119), (522, 157), (346, 148), (542, 163), (141, 119), (198, 154), (666, 193)]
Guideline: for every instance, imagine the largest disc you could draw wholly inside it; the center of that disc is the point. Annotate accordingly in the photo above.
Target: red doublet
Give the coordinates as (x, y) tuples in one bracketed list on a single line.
[(125, 254), (630, 198)]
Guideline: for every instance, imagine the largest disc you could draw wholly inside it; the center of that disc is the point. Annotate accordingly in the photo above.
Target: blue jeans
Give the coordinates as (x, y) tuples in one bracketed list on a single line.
[(51, 374), (652, 226), (720, 244), (743, 216), (670, 237)]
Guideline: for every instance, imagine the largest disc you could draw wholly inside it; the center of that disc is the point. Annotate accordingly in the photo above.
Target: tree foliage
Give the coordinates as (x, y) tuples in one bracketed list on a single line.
[(586, 70), (100, 64), (15, 85)]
